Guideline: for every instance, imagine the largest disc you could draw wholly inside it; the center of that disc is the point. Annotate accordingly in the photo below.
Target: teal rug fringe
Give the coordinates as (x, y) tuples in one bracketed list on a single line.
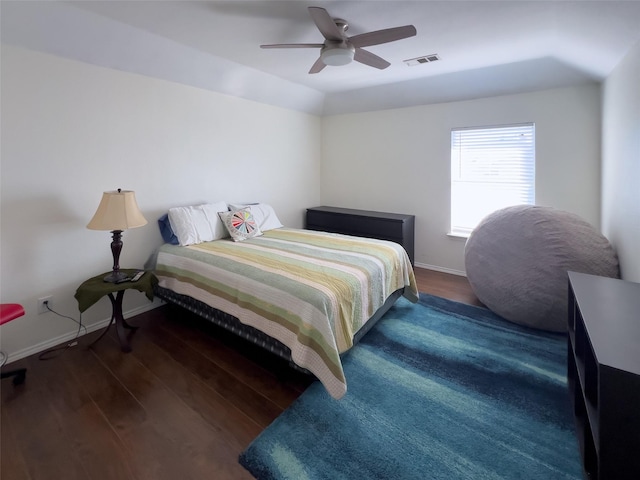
[(436, 390)]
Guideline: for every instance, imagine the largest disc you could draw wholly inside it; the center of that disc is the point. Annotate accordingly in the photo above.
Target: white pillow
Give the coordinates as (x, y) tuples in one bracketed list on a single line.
[(197, 224), (264, 214)]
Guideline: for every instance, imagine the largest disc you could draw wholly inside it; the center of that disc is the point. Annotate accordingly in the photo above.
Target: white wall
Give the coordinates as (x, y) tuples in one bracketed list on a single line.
[(72, 130), (621, 163), (399, 160)]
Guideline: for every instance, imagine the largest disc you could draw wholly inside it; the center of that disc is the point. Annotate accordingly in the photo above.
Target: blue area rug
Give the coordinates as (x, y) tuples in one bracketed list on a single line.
[(436, 390)]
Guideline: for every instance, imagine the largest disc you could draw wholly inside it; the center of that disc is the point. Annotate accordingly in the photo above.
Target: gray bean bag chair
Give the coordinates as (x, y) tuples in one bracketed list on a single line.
[(517, 260)]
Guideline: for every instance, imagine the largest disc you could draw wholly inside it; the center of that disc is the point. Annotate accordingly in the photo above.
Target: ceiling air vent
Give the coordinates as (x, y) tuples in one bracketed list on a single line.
[(424, 59)]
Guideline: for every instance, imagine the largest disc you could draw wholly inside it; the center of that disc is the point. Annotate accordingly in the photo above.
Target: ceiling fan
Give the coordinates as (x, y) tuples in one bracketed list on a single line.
[(338, 49)]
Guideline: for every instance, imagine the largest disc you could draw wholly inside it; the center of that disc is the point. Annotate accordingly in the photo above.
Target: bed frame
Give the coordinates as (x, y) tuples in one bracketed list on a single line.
[(253, 335)]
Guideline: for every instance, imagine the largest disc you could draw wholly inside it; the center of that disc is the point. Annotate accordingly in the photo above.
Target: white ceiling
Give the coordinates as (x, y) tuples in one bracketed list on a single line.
[(486, 47)]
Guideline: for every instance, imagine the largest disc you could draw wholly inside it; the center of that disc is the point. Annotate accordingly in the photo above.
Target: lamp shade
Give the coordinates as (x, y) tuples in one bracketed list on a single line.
[(118, 210)]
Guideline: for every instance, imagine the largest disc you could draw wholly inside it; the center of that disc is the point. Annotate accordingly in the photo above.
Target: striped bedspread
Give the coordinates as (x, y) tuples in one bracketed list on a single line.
[(312, 291)]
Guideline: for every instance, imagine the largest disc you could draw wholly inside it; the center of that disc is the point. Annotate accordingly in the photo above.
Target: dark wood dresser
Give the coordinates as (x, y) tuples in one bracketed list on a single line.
[(396, 227), (604, 374)]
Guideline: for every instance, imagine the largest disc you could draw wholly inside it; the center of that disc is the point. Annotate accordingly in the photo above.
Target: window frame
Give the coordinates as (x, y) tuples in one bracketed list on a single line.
[(521, 174)]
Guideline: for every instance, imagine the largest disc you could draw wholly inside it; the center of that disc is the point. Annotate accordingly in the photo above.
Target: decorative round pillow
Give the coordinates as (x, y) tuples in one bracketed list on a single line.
[(517, 260)]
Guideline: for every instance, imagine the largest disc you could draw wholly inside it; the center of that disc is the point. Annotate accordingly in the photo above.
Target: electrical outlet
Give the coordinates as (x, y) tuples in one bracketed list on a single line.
[(44, 302)]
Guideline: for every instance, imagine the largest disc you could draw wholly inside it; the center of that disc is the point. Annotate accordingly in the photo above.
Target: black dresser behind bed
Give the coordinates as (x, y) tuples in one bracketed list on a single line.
[(396, 227)]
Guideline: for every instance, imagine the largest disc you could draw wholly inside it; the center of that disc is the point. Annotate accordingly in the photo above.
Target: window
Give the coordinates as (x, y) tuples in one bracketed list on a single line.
[(491, 168)]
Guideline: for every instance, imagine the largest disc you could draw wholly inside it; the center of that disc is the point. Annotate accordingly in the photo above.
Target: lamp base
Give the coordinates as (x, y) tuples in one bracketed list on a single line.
[(115, 276)]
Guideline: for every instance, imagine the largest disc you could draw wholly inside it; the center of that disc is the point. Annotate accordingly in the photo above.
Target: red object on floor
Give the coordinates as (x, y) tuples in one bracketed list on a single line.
[(10, 311)]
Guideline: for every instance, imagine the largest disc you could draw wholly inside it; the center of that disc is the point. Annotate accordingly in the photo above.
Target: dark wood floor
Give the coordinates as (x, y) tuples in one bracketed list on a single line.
[(182, 405)]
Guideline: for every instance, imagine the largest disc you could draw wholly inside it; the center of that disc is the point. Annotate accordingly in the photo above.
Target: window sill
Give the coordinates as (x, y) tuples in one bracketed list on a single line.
[(459, 236)]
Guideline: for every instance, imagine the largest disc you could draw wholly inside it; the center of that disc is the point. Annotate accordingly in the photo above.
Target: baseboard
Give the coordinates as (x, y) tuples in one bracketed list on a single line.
[(41, 347), (441, 269)]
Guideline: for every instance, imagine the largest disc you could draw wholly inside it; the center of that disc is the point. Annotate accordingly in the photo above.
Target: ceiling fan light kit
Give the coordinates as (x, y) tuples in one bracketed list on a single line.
[(338, 56), (339, 49)]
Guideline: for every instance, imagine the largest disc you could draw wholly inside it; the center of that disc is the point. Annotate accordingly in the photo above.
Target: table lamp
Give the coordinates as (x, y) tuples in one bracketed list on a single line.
[(118, 210)]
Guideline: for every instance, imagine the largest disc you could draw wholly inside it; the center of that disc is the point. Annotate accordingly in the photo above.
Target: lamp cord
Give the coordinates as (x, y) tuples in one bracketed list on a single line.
[(59, 350)]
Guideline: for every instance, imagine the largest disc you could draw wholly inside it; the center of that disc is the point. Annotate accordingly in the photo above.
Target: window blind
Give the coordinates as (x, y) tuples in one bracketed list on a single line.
[(491, 168)]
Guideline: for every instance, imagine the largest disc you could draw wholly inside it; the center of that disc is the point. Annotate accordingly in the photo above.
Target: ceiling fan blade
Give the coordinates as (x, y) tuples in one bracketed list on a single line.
[(316, 67), (382, 36), (293, 45), (325, 24), (370, 59)]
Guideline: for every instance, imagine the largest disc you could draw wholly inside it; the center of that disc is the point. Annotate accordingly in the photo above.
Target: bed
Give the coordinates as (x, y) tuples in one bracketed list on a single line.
[(307, 296)]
